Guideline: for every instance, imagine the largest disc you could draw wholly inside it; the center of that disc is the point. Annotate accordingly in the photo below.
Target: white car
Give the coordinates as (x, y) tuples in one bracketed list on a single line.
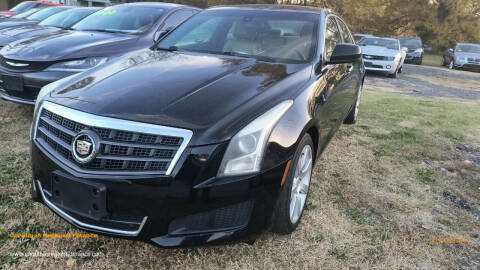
[(383, 55)]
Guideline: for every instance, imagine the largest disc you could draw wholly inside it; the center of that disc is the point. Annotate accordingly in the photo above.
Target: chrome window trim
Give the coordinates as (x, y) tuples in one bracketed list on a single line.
[(118, 124), (86, 225)]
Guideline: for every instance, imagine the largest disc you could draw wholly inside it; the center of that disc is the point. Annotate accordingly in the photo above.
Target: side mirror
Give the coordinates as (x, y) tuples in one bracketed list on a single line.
[(345, 53), (450, 50), (405, 49), (160, 34)]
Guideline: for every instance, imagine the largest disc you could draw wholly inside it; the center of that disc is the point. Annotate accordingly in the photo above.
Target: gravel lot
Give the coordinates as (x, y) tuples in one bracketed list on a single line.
[(429, 81)]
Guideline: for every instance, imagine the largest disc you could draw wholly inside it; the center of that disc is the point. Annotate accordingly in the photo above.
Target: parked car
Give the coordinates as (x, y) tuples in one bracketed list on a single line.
[(27, 65), (383, 55), (50, 26), (359, 37), (26, 5), (464, 56), (415, 49), (211, 135), (34, 18)]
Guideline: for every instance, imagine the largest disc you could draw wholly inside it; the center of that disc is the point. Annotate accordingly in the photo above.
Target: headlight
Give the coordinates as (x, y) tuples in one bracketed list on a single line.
[(78, 65), (419, 50), (459, 59), (245, 151)]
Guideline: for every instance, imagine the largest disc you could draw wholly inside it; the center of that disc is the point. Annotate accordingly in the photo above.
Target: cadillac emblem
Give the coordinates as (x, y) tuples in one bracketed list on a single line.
[(85, 146)]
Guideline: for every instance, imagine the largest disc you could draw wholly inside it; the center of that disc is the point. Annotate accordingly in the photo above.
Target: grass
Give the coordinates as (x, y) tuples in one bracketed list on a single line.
[(432, 60), (377, 197)]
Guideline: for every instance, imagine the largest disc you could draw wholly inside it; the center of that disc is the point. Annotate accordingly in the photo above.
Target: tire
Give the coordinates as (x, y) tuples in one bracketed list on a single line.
[(353, 114), (443, 62), (400, 69), (394, 75), (34, 192), (451, 65), (286, 218)]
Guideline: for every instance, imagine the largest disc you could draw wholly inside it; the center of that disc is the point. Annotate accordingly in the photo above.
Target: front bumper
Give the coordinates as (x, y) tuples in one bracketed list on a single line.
[(468, 65), (190, 208), (380, 66), (32, 83), (413, 58)]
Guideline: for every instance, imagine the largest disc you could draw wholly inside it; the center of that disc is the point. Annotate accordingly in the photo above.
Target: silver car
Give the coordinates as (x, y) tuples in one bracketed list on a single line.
[(464, 56), (383, 55)]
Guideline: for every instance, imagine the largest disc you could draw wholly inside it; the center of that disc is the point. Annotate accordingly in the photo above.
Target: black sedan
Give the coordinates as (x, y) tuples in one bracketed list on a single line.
[(210, 136), (27, 65), (36, 16), (62, 20)]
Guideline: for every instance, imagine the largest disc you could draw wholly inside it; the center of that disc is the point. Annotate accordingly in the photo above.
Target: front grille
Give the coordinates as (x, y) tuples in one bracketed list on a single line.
[(120, 151), (473, 60), (374, 57), (23, 65)]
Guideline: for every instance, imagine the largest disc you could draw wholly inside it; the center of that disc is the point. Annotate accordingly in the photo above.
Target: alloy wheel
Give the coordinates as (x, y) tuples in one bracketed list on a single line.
[(452, 65), (301, 183)]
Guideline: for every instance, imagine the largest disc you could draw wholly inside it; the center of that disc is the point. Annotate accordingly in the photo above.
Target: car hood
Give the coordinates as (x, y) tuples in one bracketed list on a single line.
[(377, 50), (65, 44), (208, 94), (467, 54), (10, 35), (15, 22)]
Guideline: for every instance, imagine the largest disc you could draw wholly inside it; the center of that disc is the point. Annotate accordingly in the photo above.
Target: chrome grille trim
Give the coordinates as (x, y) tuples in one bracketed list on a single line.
[(127, 129)]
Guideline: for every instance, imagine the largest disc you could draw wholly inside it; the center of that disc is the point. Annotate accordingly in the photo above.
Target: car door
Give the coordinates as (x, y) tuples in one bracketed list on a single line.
[(329, 102)]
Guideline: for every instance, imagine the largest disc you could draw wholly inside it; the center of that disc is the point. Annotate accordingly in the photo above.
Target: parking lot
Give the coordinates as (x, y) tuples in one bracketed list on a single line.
[(408, 173)]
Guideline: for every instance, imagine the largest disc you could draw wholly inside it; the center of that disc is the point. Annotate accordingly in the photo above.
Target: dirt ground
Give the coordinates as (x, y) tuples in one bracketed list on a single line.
[(399, 190)]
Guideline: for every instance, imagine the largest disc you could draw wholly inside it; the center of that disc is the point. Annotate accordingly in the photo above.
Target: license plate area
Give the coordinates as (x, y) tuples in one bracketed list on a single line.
[(12, 83), (79, 196), (367, 64)]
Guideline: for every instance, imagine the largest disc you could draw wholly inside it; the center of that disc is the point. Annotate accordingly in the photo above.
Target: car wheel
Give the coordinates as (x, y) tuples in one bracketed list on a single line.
[(353, 114), (400, 69), (443, 62), (451, 65), (394, 75), (293, 195)]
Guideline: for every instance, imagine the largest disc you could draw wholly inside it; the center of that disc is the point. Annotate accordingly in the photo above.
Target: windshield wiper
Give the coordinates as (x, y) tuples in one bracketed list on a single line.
[(104, 30), (258, 57), (170, 49)]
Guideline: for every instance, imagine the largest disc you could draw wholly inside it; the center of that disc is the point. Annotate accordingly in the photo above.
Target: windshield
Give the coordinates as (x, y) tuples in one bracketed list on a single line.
[(45, 13), (470, 48), (265, 35), (23, 7), (66, 19), (380, 42), (26, 13), (411, 43), (123, 19)]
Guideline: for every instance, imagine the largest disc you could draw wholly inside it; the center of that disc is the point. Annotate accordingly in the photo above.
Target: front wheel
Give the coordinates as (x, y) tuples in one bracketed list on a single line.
[(294, 192), (353, 114), (400, 69)]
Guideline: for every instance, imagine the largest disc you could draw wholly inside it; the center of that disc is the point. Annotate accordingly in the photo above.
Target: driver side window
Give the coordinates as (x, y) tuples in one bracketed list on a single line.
[(332, 36)]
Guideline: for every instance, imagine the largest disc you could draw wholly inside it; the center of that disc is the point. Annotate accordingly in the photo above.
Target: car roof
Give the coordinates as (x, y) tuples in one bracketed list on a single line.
[(394, 39), (168, 6), (468, 44), (275, 7)]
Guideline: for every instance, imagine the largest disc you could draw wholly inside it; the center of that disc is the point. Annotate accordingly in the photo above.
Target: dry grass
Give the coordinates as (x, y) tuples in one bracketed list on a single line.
[(378, 196)]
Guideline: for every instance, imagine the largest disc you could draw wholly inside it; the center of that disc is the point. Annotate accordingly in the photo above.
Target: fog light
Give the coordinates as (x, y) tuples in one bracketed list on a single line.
[(389, 67), (221, 219)]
